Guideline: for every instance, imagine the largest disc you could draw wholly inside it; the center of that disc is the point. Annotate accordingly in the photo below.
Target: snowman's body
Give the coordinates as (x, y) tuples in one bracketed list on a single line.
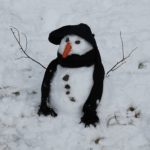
[(73, 82), (70, 89)]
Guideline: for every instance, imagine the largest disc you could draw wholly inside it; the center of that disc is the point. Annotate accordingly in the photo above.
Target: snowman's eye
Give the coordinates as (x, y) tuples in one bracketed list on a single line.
[(67, 39), (77, 42)]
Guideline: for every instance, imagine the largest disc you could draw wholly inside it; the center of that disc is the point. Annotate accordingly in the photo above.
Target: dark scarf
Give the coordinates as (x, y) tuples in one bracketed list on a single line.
[(74, 60)]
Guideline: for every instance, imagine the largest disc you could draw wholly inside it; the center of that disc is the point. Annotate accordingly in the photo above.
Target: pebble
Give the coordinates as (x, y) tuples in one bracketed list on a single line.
[(72, 99), (66, 77)]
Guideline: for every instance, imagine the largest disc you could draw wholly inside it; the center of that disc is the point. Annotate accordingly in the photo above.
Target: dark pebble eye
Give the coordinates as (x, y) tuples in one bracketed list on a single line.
[(67, 39), (77, 42)]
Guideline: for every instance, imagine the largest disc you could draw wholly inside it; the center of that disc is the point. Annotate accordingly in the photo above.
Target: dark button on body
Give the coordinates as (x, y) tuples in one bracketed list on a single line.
[(68, 92), (67, 86), (66, 77), (72, 99)]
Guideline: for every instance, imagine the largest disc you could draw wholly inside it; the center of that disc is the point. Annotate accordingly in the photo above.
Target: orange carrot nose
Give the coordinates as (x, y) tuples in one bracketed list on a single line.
[(67, 50)]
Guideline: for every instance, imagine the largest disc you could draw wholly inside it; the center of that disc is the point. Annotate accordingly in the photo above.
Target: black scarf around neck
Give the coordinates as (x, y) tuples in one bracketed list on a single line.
[(74, 60)]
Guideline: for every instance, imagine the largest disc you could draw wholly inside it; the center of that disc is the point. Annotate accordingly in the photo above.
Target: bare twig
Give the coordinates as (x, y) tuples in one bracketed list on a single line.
[(116, 121), (21, 57), (26, 42), (17, 38), (123, 60), (17, 32), (110, 120), (122, 44)]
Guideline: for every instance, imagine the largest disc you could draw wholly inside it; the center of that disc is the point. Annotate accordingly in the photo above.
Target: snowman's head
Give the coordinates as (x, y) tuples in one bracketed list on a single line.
[(73, 44)]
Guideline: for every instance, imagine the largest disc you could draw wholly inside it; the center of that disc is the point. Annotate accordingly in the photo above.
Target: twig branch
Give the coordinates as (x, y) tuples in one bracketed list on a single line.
[(21, 57), (17, 38), (113, 120), (122, 44), (17, 32), (123, 60), (26, 42)]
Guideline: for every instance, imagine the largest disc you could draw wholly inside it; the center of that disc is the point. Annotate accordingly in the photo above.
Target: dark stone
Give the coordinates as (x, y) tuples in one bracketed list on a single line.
[(97, 141), (68, 92), (34, 92), (67, 86), (131, 108), (137, 115), (17, 93), (66, 77), (72, 99), (141, 65)]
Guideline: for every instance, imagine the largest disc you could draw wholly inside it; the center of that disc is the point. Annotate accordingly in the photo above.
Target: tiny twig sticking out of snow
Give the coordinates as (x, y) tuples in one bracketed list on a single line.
[(115, 118), (110, 119), (18, 39), (123, 60)]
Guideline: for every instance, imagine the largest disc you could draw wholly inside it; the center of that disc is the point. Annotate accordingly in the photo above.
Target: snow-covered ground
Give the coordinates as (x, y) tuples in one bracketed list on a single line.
[(125, 107)]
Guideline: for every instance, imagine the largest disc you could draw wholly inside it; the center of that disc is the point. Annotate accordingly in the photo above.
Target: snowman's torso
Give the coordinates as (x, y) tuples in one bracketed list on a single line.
[(70, 88)]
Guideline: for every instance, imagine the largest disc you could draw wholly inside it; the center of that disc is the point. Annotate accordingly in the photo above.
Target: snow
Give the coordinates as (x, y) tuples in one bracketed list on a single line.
[(20, 79)]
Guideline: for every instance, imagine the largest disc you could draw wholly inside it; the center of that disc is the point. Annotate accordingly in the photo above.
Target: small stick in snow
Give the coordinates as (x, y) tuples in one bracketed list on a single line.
[(114, 118), (122, 61), (17, 38)]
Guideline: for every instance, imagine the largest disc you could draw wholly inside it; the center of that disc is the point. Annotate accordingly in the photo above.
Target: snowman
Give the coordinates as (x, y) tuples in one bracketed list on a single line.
[(73, 82)]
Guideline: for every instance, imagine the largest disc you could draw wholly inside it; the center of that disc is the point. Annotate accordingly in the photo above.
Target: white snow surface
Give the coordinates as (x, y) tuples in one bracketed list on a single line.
[(124, 110)]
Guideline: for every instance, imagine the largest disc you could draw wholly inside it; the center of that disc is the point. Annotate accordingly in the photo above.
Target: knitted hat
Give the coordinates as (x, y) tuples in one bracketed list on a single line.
[(81, 30)]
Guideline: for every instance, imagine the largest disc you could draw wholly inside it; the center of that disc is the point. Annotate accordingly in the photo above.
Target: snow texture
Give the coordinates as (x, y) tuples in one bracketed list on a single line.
[(124, 109)]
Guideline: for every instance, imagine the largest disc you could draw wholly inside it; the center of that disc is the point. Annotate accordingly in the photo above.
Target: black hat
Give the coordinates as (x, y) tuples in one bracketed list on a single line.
[(81, 30)]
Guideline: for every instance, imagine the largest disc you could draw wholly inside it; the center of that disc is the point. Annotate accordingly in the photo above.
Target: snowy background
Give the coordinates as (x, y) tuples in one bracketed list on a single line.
[(125, 107)]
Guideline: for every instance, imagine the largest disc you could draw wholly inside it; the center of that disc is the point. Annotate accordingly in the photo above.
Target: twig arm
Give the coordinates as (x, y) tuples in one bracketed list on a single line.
[(21, 47), (123, 60)]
